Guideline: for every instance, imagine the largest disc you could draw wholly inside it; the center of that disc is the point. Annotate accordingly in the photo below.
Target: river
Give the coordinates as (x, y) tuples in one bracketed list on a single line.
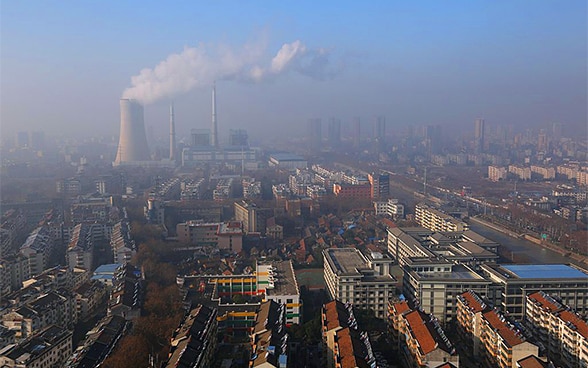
[(523, 250)]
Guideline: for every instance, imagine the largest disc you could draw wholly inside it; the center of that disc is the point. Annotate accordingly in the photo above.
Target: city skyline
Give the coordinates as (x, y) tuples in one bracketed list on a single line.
[(65, 68)]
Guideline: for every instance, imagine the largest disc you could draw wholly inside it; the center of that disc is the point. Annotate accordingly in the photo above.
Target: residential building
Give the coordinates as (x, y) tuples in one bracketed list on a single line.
[(346, 345), (89, 296), (99, 343), (351, 277), (230, 236), (37, 249), (51, 347), (123, 247), (563, 332), (126, 297), (277, 281), (80, 251), (269, 340), (380, 185), (391, 208), (52, 308), (436, 220), (421, 338), (496, 173), (193, 343), (490, 334)]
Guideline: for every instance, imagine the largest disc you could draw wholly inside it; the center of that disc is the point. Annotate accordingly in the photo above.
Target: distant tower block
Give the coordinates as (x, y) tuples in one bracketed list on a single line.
[(214, 129), (132, 144), (172, 134), (479, 132)]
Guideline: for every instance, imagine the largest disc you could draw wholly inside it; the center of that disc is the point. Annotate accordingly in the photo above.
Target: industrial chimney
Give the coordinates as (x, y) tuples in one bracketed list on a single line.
[(172, 134), (214, 130), (132, 144)]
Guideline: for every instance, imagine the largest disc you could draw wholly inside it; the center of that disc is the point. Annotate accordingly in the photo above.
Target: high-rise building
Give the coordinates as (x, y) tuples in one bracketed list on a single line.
[(356, 132), (315, 134), (380, 185), (172, 134), (380, 128), (542, 142), (556, 131), (479, 135), (214, 129), (22, 139), (334, 132), (38, 140)]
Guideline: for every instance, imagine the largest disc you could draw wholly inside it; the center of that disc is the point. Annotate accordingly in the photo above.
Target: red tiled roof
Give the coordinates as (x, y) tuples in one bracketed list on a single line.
[(421, 332), (336, 315), (472, 302), (401, 307), (350, 350), (507, 334), (581, 325), (538, 297)]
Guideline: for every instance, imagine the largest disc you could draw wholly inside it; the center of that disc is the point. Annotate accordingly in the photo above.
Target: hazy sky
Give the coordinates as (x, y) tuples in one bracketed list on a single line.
[(65, 64)]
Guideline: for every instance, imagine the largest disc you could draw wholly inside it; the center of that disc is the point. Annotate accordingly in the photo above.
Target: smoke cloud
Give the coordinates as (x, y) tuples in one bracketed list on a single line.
[(202, 65)]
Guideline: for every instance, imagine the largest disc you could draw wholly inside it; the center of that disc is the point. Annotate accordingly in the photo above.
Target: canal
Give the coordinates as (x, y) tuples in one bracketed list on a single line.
[(523, 250)]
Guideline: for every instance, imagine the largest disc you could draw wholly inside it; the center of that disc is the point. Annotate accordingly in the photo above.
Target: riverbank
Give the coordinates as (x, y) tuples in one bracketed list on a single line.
[(577, 258)]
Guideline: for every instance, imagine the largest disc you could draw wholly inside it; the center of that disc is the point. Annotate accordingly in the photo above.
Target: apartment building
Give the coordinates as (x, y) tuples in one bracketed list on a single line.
[(567, 282), (269, 340), (421, 339), (99, 343), (351, 277), (563, 332), (193, 343), (391, 208), (123, 247), (493, 336), (80, 251), (37, 249), (52, 308), (276, 281), (496, 173), (436, 220), (51, 347)]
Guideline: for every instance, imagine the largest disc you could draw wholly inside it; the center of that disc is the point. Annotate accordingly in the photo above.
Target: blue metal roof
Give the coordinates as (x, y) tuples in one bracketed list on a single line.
[(545, 271), (107, 268)]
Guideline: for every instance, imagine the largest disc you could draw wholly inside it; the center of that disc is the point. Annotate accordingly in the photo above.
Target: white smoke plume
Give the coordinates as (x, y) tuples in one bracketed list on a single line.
[(202, 65)]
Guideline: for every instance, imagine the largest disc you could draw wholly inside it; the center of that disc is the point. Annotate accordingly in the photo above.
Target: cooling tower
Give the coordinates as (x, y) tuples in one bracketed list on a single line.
[(132, 144)]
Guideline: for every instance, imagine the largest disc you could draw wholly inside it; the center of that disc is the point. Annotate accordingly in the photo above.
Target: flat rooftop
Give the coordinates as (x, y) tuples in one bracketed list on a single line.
[(346, 260), (545, 271), (285, 280)]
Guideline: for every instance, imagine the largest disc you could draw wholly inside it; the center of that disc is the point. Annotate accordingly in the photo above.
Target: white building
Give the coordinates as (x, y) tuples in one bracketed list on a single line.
[(277, 281), (363, 281)]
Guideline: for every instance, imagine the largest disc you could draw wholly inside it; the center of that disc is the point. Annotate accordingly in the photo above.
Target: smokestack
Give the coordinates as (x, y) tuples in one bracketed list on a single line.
[(172, 133), (214, 130), (132, 144)]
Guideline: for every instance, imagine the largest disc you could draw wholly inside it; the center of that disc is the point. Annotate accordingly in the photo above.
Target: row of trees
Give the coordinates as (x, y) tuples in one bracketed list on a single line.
[(151, 333)]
